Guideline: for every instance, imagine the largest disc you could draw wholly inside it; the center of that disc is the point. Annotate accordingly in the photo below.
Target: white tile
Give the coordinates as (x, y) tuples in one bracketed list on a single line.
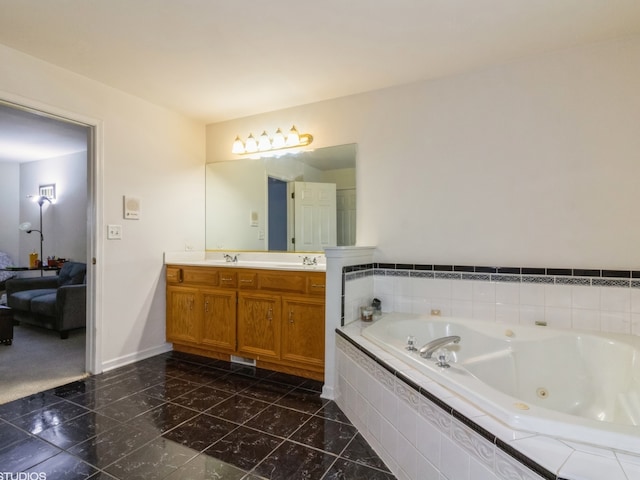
[(530, 314), (484, 292), (615, 322), (407, 458), (615, 299), (546, 451), (430, 441), (484, 311), (439, 288), (403, 304), (420, 287), (585, 319), (426, 469), (635, 300), (584, 466), (507, 313), (462, 290), (462, 308), (383, 285), (403, 286), (508, 293), (557, 296), (585, 297), (477, 471), (558, 317), (635, 323), (632, 470), (389, 438), (454, 461), (442, 304), (420, 306), (407, 422), (389, 406), (531, 294), (374, 423)]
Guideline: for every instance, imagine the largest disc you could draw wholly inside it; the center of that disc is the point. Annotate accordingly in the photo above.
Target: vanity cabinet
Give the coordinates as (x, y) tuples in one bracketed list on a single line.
[(273, 316)]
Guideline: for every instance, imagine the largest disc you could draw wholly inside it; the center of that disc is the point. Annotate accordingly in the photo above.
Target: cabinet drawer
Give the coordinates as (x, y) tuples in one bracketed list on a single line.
[(316, 284), (282, 282), (173, 275), (228, 279), (204, 276), (247, 280)]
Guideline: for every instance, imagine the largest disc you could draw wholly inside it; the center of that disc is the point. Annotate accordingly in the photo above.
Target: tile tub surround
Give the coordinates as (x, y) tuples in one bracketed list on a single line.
[(423, 431), (586, 299), (178, 416)]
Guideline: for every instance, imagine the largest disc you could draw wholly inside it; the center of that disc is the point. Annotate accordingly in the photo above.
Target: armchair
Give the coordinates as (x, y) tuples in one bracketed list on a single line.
[(58, 303)]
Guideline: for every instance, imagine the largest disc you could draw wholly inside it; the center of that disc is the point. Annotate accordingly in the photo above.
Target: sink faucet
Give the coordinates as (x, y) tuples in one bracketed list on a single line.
[(228, 258), (427, 350), (309, 261)]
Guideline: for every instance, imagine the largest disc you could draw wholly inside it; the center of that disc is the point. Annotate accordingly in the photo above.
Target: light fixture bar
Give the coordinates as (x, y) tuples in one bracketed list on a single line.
[(264, 143)]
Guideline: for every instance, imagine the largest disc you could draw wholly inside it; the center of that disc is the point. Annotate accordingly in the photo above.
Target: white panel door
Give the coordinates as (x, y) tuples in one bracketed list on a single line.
[(346, 209), (314, 216)]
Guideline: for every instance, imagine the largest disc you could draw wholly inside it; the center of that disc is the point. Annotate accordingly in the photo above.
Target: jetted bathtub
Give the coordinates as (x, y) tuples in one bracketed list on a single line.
[(578, 386)]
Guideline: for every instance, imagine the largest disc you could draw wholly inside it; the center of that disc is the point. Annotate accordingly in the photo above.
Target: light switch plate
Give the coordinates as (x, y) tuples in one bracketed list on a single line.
[(114, 232)]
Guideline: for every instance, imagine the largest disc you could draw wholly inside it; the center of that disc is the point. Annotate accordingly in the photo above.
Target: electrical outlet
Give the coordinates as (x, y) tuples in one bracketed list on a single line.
[(114, 232)]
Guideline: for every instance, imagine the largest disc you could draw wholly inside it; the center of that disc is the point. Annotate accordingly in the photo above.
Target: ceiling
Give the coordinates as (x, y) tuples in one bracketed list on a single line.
[(216, 60)]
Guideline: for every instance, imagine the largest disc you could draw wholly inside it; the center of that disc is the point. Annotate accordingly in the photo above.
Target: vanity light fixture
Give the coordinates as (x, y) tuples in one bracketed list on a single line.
[(264, 143)]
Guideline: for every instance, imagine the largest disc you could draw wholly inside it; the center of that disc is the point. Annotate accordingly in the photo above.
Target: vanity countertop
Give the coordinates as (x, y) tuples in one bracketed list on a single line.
[(259, 260)]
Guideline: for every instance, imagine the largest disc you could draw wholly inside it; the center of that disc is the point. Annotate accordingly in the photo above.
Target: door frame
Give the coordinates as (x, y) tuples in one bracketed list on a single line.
[(95, 188)]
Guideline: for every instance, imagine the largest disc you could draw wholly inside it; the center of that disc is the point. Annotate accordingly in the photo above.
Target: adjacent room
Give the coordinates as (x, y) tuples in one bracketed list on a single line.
[(460, 300)]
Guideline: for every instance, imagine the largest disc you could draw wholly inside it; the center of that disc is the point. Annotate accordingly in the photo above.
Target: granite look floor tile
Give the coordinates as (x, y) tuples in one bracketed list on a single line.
[(107, 447), (278, 421), (200, 432), (291, 460), (238, 409), (202, 398), (359, 451), (243, 448), (232, 383), (157, 459), (267, 391), (204, 467), (10, 434), (62, 467), (180, 416), (331, 411), (129, 407), (77, 430), (302, 400), (25, 454), (348, 470), (39, 420), (170, 389), (23, 406), (163, 418), (325, 434)]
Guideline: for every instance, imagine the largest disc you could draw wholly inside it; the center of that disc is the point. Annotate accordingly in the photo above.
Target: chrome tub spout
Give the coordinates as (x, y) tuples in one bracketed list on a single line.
[(427, 350)]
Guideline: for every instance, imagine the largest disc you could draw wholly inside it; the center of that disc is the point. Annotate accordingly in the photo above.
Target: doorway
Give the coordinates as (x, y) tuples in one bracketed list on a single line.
[(277, 214), (80, 196)]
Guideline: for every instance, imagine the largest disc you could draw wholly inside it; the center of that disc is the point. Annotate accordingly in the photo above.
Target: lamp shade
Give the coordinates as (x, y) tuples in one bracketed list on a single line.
[(25, 226)]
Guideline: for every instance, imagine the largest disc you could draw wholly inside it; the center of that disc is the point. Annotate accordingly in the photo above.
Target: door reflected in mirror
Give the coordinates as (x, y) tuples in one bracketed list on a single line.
[(300, 202)]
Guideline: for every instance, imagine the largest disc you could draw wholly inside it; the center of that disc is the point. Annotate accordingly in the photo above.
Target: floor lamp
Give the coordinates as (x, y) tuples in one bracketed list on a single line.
[(26, 226)]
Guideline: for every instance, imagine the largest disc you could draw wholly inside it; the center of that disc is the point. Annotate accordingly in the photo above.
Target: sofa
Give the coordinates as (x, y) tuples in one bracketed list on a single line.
[(56, 302)]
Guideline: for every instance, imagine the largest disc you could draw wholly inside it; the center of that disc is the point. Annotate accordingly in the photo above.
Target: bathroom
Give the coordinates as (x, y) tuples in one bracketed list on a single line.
[(526, 165)]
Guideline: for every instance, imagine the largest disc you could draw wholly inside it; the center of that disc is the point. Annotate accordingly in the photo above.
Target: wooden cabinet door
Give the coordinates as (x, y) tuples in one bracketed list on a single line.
[(259, 317), (303, 331), (219, 319), (183, 315)]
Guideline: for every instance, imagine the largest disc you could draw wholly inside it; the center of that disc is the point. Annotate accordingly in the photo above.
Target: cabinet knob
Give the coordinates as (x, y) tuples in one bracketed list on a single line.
[(270, 314), (291, 316)]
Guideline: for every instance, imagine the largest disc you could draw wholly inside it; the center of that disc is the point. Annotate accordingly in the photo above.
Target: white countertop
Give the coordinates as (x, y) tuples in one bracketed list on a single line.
[(261, 260)]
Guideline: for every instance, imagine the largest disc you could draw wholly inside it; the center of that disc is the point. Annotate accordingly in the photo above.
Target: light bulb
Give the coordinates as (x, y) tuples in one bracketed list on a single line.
[(293, 139), (264, 142), (278, 140), (238, 146), (251, 145)]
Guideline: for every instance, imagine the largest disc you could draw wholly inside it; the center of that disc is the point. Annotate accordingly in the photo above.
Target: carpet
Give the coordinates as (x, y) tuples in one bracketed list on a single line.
[(39, 360)]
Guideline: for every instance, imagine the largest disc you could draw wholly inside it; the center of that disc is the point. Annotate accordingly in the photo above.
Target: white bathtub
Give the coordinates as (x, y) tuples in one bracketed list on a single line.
[(577, 386)]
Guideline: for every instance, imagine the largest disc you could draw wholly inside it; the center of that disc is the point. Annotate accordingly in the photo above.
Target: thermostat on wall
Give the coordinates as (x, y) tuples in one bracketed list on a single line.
[(131, 208)]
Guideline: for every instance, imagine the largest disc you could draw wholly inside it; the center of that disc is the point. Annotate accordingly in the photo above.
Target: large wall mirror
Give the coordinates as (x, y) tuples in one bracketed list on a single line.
[(299, 202)]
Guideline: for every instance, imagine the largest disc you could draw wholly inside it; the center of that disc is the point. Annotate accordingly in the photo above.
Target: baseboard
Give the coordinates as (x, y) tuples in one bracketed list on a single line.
[(328, 393), (136, 357)]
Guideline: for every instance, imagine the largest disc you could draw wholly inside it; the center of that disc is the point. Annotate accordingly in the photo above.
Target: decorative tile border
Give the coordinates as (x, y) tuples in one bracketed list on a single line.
[(410, 392), (558, 276)]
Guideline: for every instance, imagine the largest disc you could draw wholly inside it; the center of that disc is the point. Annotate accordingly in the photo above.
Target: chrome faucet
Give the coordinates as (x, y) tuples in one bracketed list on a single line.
[(229, 259), (309, 261), (427, 350)]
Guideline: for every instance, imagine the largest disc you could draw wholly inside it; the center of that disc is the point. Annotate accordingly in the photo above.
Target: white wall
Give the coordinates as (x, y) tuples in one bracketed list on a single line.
[(534, 163), (64, 224), (9, 215), (144, 150)]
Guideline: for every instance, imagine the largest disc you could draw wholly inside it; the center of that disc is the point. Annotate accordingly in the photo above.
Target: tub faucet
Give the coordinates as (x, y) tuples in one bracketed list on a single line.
[(427, 350)]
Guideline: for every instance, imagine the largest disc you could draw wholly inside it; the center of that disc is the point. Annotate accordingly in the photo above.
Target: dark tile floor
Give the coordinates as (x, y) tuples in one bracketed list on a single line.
[(178, 416)]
